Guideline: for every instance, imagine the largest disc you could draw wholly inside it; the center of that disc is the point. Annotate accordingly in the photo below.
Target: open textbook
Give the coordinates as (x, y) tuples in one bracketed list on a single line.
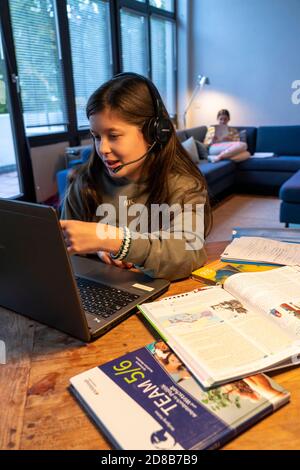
[(261, 250), (250, 325), (148, 400)]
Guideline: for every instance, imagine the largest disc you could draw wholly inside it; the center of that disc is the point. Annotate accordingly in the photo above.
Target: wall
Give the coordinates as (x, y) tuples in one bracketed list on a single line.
[(46, 161), (250, 52)]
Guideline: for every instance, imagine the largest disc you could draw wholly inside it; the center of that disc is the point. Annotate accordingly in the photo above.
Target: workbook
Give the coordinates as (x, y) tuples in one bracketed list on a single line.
[(261, 250), (148, 400), (250, 325), (218, 271)]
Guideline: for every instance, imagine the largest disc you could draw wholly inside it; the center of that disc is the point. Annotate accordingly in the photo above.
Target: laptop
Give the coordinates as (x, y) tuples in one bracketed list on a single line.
[(77, 295)]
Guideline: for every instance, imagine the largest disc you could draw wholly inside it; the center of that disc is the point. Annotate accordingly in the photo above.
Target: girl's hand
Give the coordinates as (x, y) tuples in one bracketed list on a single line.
[(104, 256), (80, 237)]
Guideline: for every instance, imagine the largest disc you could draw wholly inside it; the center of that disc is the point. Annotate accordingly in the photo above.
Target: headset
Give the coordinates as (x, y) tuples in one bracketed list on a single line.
[(159, 129)]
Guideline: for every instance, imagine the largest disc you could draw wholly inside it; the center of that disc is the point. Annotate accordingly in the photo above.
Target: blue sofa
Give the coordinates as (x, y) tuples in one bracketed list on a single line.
[(280, 174), (220, 176), (81, 155)]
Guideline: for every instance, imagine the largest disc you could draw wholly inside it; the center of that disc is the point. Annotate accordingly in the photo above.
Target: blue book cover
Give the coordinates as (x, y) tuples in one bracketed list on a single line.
[(148, 400)]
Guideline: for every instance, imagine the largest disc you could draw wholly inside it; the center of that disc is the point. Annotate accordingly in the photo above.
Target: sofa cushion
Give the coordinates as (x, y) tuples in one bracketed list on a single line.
[(251, 137), (190, 146), (282, 140), (282, 163), (197, 132), (290, 190), (181, 136), (215, 171), (202, 150), (261, 181)]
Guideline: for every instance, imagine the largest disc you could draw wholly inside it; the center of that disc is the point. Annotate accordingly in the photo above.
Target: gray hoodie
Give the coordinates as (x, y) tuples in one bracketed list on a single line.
[(171, 252)]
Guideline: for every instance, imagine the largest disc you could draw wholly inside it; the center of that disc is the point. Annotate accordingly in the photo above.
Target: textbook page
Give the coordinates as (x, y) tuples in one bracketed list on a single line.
[(263, 250), (216, 336), (275, 293)]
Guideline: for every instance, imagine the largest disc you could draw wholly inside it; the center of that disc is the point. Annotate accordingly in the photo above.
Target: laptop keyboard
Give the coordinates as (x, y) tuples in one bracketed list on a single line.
[(102, 300)]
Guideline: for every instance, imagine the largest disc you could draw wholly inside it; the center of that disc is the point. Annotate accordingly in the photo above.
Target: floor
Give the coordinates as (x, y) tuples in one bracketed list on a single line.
[(244, 211), (9, 184)]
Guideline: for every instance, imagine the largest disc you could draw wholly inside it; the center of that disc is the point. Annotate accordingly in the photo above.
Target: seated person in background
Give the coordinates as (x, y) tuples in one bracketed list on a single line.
[(223, 142)]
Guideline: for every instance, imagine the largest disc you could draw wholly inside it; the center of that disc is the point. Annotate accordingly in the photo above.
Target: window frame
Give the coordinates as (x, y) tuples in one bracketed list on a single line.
[(23, 158)]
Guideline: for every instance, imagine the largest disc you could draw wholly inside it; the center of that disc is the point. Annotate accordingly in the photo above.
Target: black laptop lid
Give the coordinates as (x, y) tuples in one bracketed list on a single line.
[(35, 272)]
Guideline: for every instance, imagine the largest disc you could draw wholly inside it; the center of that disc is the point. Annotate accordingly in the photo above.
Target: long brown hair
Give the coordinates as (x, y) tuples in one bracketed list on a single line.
[(131, 99)]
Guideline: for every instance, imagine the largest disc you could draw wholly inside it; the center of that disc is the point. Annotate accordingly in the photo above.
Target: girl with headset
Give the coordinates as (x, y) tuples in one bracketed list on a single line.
[(137, 159)]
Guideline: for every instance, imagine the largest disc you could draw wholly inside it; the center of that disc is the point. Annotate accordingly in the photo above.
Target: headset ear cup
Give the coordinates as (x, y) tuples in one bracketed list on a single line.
[(149, 130), (163, 130), (158, 130)]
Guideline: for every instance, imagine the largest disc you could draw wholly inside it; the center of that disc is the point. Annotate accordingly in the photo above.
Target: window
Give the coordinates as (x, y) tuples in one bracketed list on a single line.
[(16, 177), (163, 4), (134, 42), (65, 49), (152, 55), (89, 25), (37, 47), (163, 60), (9, 179)]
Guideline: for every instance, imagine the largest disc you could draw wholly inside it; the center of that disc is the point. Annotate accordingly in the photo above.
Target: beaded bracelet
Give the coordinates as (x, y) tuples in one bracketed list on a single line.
[(124, 248)]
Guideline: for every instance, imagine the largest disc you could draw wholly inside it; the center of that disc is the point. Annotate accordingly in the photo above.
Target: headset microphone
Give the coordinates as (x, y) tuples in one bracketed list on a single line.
[(116, 170)]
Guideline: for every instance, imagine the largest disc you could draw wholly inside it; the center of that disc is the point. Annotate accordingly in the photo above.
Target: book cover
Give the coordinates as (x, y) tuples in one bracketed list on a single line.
[(218, 271), (281, 234), (148, 400)]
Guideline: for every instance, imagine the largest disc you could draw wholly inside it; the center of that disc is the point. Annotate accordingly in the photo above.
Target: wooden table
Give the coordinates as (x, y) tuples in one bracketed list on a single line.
[(38, 412)]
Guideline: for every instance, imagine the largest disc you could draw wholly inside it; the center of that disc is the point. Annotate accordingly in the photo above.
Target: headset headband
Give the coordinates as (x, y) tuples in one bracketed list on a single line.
[(157, 102), (160, 128)]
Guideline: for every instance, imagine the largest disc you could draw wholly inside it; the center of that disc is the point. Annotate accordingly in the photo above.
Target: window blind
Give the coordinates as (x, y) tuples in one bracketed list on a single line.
[(134, 42), (163, 60), (39, 65), (89, 25)]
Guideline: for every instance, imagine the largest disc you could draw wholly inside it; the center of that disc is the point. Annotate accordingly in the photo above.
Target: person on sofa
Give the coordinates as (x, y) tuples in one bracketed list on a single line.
[(137, 160), (223, 142)]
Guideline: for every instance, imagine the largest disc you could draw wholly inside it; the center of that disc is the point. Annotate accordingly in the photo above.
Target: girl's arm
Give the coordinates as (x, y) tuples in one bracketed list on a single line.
[(70, 215), (176, 257), (172, 254), (90, 237)]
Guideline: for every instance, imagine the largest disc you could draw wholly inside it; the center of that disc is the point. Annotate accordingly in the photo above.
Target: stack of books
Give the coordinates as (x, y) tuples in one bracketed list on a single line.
[(204, 382), (166, 407)]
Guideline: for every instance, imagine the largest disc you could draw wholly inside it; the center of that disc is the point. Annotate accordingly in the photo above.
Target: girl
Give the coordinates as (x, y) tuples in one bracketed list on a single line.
[(137, 163), (223, 142)]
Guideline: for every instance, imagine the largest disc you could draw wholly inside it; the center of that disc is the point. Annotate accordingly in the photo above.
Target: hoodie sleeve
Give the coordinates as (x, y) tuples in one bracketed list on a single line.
[(177, 249)]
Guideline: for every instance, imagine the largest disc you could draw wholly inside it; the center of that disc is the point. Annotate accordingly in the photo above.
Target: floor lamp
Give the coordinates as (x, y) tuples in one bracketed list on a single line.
[(201, 81)]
